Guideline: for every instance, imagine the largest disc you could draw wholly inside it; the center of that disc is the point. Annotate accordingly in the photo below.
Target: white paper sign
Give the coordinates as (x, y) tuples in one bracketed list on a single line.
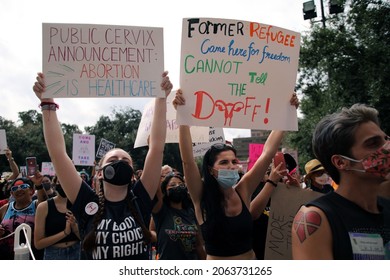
[(90, 60), (199, 134), (238, 74), (216, 135), (48, 169), (104, 147), (83, 149), (23, 170), (3, 141)]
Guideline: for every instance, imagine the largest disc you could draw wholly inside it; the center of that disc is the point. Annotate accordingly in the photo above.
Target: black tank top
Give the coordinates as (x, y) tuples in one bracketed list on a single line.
[(232, 236), (347, 219), (56, 221)]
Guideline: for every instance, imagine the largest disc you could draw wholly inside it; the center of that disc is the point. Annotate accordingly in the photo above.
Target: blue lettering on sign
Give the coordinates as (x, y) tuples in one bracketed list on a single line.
[(273, 56)]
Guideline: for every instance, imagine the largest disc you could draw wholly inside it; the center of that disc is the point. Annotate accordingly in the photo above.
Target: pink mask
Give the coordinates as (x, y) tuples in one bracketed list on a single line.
[(377, 163)]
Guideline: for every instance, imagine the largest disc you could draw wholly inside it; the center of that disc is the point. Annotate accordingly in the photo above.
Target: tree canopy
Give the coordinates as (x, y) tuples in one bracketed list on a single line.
[(344, 63), (120, 128)]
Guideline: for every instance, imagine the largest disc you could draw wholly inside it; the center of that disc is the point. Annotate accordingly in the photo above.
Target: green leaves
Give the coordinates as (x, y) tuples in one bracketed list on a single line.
[(345, 63)]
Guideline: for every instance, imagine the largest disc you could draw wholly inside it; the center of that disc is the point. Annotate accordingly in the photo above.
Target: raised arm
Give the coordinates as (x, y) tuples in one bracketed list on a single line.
[(152, 169), (191, 171), (153, 231), (37, 180), (159, 201), (12, 164), (248, 183), (251, 179), (258, 204), (55, 143)]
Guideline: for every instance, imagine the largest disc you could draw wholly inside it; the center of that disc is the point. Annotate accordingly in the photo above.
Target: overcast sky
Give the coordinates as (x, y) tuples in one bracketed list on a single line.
[(21, 43)]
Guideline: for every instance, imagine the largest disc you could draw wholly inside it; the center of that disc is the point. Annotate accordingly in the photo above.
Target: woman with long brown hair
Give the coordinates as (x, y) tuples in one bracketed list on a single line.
[(113, 221)]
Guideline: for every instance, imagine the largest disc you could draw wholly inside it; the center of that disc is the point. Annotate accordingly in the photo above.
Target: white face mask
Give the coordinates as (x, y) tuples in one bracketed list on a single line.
[(227, 178), (322, 180)]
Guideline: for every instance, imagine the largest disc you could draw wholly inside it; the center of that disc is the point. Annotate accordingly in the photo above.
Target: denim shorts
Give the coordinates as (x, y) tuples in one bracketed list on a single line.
[(68, 253)]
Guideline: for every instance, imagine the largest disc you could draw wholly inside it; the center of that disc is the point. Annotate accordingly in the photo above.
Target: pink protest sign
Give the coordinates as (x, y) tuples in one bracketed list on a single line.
[(238, 74), (255, 151)]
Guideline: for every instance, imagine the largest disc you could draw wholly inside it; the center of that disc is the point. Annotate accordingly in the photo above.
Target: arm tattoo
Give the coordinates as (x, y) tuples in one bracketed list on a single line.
[(305, 224)]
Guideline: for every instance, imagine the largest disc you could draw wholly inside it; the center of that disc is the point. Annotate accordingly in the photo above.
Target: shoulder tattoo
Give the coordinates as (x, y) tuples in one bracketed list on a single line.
[(305, 224)]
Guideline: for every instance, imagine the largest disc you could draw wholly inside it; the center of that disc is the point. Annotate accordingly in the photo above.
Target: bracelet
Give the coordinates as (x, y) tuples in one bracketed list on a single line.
[(65, 233), (271, 182), (10, 159), (40, 187), (52, 106)]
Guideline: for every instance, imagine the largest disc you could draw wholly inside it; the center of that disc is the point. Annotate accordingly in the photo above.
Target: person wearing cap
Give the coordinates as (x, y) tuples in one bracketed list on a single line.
[(21, 210), (317, 179)]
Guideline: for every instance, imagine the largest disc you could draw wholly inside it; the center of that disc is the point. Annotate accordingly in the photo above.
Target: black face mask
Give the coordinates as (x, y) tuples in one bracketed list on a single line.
[(177, 194), (60, 191), (118, 173), (46, 186)]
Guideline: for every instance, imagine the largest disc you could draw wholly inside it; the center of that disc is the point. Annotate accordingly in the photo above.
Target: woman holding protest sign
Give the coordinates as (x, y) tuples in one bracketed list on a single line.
[(221, 200), (113, 222)]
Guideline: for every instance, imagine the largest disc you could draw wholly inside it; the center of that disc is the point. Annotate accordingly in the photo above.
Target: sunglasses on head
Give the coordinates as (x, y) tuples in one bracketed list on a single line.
[(221, 146), (22, 187)]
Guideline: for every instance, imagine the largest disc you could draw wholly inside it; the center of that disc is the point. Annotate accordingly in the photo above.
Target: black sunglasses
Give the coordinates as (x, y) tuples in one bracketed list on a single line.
[(221, 146)]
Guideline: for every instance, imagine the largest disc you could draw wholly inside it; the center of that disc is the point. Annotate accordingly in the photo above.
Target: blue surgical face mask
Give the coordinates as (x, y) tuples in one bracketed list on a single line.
[(227, 178)]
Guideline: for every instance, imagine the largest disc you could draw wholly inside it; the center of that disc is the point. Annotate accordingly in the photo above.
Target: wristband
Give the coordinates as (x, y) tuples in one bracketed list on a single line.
[(52, 106), (271, 182), (40, 187)]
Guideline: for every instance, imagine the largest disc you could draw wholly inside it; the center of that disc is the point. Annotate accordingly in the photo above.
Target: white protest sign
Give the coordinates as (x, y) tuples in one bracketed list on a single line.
[(104, 147), (90, 60), (199, 134), (3, 141), (23, 170), (48, 169), (83, 152), (238, 74), (216, 135)]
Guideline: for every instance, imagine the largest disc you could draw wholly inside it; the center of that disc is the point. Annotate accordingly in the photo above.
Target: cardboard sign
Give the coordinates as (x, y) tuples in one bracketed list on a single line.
[(285, 202), (83, 152), (3, 142), (199, 134), (104, 147), (238, 74), (90, 60)]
